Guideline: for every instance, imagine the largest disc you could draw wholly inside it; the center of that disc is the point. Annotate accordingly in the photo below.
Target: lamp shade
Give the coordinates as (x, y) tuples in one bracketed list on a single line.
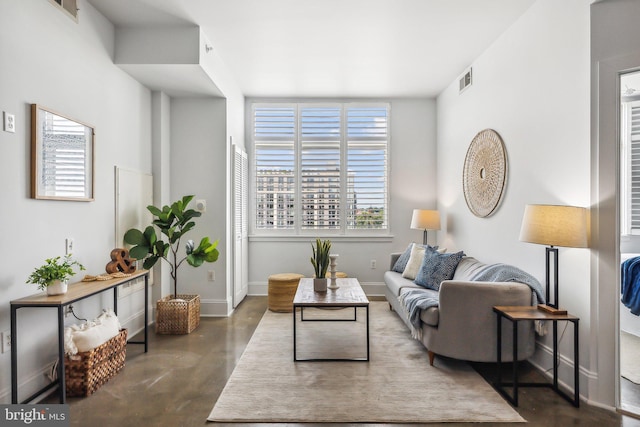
[(555, 225), (423, 219)]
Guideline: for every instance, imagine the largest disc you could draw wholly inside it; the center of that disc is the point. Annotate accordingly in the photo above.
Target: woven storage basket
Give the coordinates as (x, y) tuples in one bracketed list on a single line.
[(86, 371), (177, 317)]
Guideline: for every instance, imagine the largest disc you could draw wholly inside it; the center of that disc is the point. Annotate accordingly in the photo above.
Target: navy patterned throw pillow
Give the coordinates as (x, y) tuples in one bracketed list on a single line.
[(437, 267), (401, 262)]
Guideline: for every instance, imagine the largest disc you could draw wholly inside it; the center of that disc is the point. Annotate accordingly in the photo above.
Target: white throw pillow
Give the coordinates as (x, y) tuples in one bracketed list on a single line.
[(415, 260)]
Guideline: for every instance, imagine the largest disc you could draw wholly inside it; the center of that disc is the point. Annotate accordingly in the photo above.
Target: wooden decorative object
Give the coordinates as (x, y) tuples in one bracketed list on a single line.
[(485, 173), (177, 316), (551, 310), (121, 262), (86, 371)]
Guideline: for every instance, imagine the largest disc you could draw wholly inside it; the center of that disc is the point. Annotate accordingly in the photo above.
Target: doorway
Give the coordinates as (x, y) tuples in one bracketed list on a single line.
[(629, 197)]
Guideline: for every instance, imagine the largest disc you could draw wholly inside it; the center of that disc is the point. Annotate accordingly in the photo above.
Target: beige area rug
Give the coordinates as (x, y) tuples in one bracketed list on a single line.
[(630, 357), (396, 386)]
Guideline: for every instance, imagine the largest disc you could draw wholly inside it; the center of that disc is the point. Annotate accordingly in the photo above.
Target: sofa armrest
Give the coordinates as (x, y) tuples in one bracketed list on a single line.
[(458, 297), (465, 303), (394, 258), (467, 324)]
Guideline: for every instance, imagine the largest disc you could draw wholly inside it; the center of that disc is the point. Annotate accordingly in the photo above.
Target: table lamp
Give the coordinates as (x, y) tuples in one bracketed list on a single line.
[(423, 219), (554, 225)]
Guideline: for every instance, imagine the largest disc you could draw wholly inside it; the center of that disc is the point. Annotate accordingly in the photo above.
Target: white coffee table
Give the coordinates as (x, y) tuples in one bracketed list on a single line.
[(348, 294)]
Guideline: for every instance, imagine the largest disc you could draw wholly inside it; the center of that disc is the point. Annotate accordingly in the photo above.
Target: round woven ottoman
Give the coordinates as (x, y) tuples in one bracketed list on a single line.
[(282, 289)]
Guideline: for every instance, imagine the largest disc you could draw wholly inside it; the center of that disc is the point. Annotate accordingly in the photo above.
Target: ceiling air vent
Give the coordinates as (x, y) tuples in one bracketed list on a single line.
[(466, 80), (69, 6)]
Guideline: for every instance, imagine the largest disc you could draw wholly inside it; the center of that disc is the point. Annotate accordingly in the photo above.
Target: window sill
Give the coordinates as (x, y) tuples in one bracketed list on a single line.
[(356, 238)]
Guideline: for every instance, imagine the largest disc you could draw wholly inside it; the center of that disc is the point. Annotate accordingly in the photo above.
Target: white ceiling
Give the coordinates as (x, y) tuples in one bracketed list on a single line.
[(335, 48)]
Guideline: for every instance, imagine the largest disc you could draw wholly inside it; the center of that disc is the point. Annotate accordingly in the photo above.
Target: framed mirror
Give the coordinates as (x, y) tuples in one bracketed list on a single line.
[(61, 156)]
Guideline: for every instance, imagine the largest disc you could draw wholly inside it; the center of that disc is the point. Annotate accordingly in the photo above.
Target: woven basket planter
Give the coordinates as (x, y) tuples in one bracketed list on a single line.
[(86, 371), (177, 317)]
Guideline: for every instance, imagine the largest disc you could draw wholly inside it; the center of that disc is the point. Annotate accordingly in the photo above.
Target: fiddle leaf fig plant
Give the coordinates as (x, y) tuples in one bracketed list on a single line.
[(173, 222)]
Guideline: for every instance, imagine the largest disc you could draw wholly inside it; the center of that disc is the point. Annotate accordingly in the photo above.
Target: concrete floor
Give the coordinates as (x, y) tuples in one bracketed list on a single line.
[(178, 381)]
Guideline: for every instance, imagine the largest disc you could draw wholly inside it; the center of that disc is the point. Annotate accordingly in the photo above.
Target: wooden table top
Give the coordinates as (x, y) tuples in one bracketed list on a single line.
[(525, 312), (76, 291), (348, 294)]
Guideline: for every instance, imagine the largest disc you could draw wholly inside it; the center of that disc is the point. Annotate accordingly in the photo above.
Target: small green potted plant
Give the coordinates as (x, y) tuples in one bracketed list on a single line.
[(53, 276), (320, 261)]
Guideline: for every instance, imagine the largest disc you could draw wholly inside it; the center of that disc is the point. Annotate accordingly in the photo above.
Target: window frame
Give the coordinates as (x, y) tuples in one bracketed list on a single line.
[(297, 232)]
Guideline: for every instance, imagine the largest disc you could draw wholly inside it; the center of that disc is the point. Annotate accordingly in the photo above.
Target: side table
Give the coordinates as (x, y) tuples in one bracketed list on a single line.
[(516, 314)]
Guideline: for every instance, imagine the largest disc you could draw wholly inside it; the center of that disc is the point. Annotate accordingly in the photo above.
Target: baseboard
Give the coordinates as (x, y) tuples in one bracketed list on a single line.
[(29, 384), (542, 360), (216, 307), (372, 289)]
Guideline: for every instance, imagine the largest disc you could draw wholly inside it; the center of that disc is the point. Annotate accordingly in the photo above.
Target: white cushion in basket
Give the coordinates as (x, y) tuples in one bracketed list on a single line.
[(80, 338)]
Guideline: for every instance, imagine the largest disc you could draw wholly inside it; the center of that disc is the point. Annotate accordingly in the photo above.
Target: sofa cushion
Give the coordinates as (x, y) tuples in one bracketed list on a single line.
[(467, 268), (430, 316), (436, 267), (395, 282), (401, 262)]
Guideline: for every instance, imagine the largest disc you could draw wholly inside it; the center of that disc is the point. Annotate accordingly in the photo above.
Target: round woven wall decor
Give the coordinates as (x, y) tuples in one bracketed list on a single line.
[(485, 173)]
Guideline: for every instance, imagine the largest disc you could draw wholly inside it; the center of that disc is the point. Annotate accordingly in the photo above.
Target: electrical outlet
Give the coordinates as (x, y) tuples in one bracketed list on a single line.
[(211, 275), (69, 245), (9, 122), (6, 340), (373, 264)]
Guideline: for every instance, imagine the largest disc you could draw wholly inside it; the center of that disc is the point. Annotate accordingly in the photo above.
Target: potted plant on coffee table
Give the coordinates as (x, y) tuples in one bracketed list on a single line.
[(320, 261), (53, 276), (176, 313)]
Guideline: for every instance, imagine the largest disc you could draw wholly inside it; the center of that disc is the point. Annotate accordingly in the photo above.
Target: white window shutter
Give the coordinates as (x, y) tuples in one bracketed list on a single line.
[(321, 167)]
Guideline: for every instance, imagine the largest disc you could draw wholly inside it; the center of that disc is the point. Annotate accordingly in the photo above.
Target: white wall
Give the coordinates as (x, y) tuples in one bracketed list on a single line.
[(199, 167), (614, 49), (532, 87), (412, 184), (49, 59)]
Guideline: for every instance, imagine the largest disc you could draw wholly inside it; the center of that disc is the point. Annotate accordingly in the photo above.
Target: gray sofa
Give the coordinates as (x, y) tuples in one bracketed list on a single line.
[(463, 325)]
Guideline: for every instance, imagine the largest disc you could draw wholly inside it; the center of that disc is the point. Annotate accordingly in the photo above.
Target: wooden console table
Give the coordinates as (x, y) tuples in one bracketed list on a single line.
[(76, 292)]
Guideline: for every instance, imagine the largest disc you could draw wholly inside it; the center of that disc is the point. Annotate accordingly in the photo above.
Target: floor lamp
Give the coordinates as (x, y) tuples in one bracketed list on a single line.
[(554, 225), (424, 219)]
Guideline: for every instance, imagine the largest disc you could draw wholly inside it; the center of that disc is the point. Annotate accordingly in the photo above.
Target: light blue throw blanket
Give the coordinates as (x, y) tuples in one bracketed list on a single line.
[(509, 273), (415, 300)]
